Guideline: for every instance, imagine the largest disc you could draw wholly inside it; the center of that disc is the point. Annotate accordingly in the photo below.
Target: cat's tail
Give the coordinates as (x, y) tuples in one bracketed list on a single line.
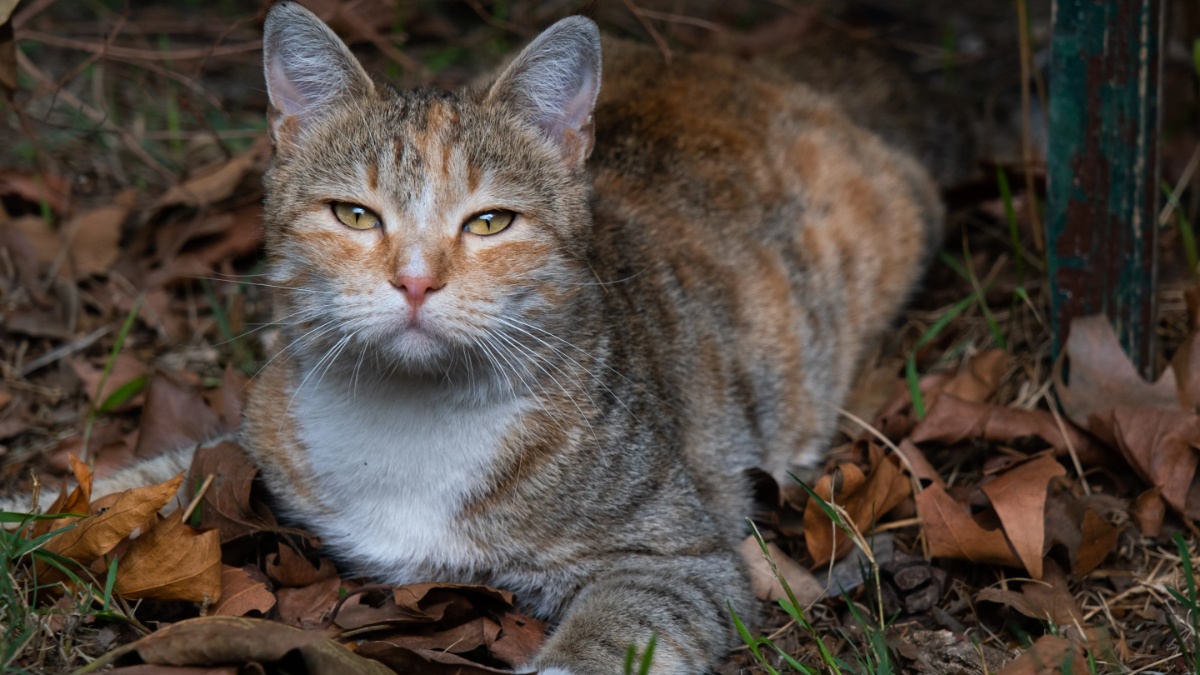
[(146, 472)]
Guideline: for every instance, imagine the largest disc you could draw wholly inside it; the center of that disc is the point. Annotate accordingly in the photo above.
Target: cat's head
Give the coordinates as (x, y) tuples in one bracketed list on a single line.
[(427, 226)]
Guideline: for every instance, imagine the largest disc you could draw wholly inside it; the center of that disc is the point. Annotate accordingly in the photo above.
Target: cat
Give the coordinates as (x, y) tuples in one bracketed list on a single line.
[(538, 329)]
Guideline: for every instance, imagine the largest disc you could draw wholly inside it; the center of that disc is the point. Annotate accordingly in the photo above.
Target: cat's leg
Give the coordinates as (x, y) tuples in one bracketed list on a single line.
[(682, 600), (146, 472)]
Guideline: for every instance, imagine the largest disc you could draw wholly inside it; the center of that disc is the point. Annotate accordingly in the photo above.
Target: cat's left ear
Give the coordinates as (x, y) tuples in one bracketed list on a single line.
[(553, 83)]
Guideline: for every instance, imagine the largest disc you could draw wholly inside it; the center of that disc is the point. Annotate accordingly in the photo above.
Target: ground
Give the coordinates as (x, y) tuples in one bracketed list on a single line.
[(989, 503)]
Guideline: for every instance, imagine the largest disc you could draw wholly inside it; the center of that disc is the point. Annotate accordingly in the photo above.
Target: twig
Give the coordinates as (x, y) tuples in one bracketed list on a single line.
[(97, 117), (194, 53), (1181, 185), (187, 513), (65, 350), (654, 34)]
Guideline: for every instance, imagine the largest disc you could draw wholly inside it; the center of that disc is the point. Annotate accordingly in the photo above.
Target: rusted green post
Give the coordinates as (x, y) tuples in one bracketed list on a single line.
[(1102, 207)]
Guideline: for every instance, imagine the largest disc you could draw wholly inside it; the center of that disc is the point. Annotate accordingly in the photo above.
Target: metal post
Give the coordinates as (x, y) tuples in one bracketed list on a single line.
[(1102, 206)]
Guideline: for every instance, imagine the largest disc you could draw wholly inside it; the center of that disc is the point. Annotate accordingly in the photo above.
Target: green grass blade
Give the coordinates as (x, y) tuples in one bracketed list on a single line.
[(1010, 215), (648, 655), (910, 366), (1186, 235), (109, 582), (123, 393), (1185, 558), (630, 656)]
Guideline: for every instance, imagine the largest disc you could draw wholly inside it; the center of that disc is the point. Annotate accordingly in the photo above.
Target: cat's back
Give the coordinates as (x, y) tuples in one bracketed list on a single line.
[(760, 238)]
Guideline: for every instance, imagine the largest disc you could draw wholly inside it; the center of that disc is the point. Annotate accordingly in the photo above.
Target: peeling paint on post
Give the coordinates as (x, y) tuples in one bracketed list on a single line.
[(1102, 205)]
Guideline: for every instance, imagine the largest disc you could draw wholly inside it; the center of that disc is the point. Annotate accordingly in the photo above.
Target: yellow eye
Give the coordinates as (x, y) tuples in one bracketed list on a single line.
[(353, 215), (490, 222)]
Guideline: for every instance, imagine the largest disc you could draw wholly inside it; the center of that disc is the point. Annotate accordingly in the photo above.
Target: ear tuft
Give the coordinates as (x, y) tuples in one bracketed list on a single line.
[(308, 69), (554, 82)]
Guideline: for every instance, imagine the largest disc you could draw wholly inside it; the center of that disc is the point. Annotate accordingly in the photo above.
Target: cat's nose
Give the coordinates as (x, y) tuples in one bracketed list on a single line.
[(415, 288)]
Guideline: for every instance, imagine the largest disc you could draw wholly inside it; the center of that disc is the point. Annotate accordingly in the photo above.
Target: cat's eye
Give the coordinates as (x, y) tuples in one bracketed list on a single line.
[(353, 215), (490, 222)]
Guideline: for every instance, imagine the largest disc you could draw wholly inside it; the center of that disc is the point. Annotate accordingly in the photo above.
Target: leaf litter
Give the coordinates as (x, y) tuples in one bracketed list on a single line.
[(981, 505)]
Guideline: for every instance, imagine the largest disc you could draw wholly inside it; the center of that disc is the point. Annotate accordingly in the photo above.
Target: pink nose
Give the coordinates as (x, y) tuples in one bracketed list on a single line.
[(415, 289)]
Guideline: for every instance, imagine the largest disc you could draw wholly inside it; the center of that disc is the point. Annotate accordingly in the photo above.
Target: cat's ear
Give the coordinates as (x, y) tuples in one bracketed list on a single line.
[(553, 84), (308, 69)]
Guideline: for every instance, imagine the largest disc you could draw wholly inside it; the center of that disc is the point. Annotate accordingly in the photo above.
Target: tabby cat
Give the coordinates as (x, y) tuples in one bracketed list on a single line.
[(539, 329)]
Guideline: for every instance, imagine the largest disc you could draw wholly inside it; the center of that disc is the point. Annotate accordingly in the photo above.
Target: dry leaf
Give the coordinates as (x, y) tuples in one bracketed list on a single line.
[(174, 416), (243, 590), (1149, 511), (423, 661), (952, 420), (952, 532), (865, 497), (308, 607), (96, 535), (226, 504), (520, 638), (95, 235), (766, 586), (1103, 377), (172, 561), (216, 182), (77, 500), (977, 381), (224, 640), (1049, 656), (288, 568), (1019, 499)]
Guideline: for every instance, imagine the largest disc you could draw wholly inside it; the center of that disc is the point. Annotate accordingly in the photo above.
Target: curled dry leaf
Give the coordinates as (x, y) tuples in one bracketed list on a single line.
[(96, 535), (952, 420), (423, 661), (766, 585), (865, 497), (1048, 600), (216, 182), (224, 640), (953, 532), (1149, 511), (1019, 499), (308, 607), (172, 561), (1050, 655), (95, 235), (243, 590), (1103, 377), (77, 500), (227, 505), (288, 568)]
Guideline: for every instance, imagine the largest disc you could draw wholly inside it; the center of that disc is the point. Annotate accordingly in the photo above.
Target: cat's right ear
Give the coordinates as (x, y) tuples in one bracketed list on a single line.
[(308, 69)]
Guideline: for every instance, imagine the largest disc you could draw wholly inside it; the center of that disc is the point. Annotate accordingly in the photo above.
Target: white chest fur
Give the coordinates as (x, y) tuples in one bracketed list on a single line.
[(395, 461)]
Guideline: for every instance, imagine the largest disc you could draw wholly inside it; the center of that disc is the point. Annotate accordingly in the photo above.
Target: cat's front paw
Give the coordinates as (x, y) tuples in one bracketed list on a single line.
[(555, 671)]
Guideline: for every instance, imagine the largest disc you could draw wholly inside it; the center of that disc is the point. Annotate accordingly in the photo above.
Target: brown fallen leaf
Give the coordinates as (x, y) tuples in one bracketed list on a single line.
[(224, 640), (865, 497), (77, 500), (174, 416), (95, 235), (96, 535), (952, 532), (215, 182), (1050, 655), (243, 590), (288, 568), (1019, 499), (308, 607), (980, 377), (172, 561), (424, 661), (1103, 377), (1161, 445), (1149, 511), (226, 505), (520, 638), (1048, 600), (766, 585), (952, 420)]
